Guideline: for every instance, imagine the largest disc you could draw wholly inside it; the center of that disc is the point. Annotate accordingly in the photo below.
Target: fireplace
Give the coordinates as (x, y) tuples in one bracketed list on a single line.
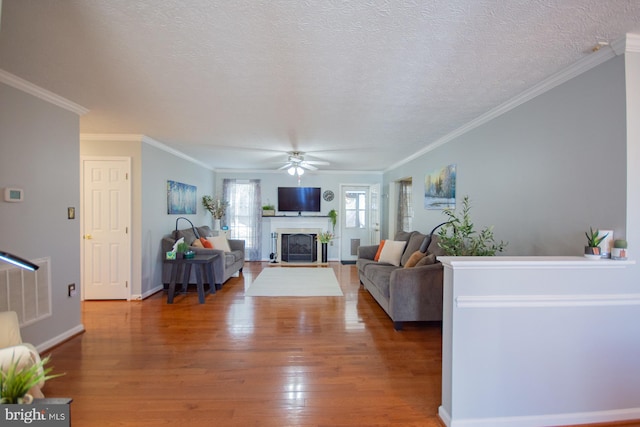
[(299, 247)]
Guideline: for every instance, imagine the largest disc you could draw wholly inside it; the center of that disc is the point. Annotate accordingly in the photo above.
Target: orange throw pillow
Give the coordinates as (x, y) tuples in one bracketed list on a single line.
[(206, 243), (377, 257), (414, 258)]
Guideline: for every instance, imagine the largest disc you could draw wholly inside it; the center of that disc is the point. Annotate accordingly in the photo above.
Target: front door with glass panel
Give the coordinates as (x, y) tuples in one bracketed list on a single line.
[(355, 222)]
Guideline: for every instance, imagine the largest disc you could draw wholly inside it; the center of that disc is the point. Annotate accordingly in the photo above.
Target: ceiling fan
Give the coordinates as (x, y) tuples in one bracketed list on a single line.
[(296, 164)]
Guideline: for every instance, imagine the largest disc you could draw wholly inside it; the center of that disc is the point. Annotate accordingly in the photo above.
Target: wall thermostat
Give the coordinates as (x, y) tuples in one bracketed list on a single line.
[(13, 194)]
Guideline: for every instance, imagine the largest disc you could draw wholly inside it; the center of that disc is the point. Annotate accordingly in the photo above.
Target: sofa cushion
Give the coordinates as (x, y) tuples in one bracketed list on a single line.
[(206, 243), (403, 235), (392, 252), (379, 251), (187, 233), (427, 260), (380, 276), (204, 231), (414, 258), (197, 243), (220, 242), (413, 245)]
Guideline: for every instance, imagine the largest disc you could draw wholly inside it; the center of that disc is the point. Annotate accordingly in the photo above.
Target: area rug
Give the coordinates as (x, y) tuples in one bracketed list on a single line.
[(295, 282)]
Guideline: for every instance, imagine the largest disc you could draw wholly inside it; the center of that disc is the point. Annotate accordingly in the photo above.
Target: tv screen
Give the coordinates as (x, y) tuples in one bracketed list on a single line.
[(299, 199)]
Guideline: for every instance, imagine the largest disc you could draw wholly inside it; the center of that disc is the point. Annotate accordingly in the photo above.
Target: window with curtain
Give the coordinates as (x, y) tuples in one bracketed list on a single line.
[(244, 215), (405, 206)]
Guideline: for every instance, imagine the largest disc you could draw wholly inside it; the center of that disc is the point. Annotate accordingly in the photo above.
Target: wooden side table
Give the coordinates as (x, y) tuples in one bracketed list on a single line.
[(204, 267)]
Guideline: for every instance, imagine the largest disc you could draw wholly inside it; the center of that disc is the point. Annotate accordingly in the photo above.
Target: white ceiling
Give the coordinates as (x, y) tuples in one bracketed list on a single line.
[(236, 84)]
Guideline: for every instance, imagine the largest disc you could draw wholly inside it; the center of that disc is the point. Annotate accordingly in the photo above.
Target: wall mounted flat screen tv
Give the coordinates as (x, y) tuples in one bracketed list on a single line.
[(299, 199)]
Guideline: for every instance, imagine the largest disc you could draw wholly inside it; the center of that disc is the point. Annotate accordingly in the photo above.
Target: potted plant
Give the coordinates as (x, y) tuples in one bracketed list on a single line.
[(268, 210), (181, 250), (457, 237), (17, 379), (592, 250), (333, 216), (325, 237), (619, 251), (216, 208)]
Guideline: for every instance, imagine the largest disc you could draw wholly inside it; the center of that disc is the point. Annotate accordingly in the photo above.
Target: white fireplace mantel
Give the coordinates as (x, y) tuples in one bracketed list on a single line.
[(297, 224)]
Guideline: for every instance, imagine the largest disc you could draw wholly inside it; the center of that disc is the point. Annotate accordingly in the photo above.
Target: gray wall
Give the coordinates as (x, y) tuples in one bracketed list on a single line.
[(39, 143), (544, 172), (158, 166), (151, 167), (270, 181)]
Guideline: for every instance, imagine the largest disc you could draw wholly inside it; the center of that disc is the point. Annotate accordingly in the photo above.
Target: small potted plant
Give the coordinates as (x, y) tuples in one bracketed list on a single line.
[(325, 237), (619, 251), (592, 250), (181, 250), (268, 210)]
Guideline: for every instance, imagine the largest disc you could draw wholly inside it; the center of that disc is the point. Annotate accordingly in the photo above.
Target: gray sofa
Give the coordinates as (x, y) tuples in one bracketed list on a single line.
[(405, 294), (224, 266)]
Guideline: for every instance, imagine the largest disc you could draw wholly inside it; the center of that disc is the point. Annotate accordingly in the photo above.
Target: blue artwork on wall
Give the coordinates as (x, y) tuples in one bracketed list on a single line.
[(440, 188), (181, 198)]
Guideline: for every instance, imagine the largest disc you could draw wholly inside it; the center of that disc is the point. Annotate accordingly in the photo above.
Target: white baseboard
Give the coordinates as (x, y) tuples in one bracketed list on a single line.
[(544, 420), (60, 338), (138, 297)]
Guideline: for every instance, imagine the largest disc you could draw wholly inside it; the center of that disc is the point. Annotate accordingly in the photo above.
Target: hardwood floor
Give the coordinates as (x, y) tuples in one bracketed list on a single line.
[(236, 361)]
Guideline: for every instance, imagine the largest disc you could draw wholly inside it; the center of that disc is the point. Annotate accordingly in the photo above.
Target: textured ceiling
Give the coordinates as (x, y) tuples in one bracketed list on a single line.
[(236, 84)]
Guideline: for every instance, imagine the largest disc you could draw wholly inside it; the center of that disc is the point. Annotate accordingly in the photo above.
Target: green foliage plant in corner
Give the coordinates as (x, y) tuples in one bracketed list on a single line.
[(458, 237)]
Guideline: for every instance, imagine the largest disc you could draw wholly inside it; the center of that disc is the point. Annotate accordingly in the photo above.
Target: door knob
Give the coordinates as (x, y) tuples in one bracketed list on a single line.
[(88, 236)]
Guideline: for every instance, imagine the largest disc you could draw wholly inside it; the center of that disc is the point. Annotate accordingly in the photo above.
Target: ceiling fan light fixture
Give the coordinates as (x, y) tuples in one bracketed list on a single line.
[(299, 170), (291, 170)]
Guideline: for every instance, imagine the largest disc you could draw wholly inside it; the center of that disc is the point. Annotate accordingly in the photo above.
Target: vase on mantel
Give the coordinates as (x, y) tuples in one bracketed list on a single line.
[(216, 224)]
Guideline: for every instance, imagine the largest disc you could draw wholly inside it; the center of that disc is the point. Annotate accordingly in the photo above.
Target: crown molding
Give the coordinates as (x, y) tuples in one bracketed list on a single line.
[(28, 87), (570, 72), (284, 172), (132, 137), (116, 137), (631, 43), (157, 144)]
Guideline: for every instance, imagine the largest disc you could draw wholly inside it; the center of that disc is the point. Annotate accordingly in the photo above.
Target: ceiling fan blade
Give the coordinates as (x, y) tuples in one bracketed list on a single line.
[(306, 165), (286, 166), (317, 162)]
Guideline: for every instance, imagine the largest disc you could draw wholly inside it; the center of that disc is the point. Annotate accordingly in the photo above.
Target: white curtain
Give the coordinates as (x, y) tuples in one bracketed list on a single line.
[(244, 215), (405, 206)]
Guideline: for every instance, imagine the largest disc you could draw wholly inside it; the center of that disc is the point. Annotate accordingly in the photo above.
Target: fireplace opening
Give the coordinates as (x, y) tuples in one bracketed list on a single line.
[(299, 247)]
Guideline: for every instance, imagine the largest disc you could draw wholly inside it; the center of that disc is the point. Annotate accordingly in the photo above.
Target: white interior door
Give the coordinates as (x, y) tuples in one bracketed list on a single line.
[(357, 225), (106, 216)]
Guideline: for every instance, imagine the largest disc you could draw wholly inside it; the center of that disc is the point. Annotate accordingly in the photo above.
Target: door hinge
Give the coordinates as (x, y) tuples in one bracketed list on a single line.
[(126, 176), (126, 284), (126, 230)]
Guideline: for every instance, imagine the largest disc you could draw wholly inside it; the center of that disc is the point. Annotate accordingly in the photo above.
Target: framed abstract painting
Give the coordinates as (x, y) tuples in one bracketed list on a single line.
[(440, 188), (181, 198)]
